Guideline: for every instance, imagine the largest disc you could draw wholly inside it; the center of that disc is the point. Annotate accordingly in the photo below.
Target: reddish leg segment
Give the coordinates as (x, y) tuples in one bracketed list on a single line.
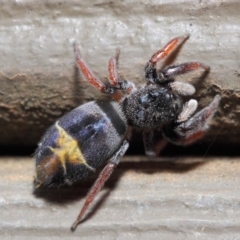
[(87, 73), (167, 49), (150, 68), (103, 177), (183, 68), (112, 69), (123, 85), (112, 76)]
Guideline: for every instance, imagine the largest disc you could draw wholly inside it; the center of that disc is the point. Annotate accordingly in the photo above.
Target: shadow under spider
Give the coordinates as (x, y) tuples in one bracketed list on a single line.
[(79, 190)]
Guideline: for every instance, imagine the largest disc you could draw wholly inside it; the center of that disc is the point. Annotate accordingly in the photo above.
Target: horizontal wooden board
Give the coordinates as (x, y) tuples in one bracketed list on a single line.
[(179, 198)]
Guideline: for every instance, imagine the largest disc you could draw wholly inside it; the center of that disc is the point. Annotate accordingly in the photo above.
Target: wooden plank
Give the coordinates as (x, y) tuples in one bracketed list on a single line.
[(38, 81), (180, 198)]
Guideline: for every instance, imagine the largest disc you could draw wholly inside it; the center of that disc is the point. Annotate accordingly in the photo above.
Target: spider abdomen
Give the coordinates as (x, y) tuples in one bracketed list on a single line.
[(79, 142)]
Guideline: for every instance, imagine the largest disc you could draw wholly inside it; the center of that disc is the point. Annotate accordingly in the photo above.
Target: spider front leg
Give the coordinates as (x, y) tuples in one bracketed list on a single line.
[(112, 69), (119, 84), (187, 131), (88, 74), (183, 68), (150, 68), (103, 177), (182, 88), (115, 84)]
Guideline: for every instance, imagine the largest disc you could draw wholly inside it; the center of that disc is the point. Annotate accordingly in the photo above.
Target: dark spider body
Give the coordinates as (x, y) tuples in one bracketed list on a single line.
[(72, 148), (152, 107), (98, 133)]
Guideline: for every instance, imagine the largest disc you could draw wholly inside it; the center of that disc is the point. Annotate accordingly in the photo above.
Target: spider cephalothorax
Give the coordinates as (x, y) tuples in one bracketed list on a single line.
[(152, 106), (97, 133)]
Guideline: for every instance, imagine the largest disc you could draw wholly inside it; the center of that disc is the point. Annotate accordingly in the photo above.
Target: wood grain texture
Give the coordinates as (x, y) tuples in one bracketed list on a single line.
[(144, 199), (38, 80)]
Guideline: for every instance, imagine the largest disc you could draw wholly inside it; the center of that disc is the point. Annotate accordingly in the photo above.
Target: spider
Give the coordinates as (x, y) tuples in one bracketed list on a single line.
[(97, 133)]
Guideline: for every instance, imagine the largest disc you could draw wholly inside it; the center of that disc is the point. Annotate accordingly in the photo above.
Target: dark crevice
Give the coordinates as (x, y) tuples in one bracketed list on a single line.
[(136, 148)]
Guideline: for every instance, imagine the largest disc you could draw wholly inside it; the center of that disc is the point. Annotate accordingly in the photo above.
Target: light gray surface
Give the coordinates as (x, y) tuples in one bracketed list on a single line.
[(144, 199), (37, 78), (37, 36)]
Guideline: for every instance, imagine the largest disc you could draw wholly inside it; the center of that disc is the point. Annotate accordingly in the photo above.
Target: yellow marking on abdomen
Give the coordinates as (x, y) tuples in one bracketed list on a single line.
[(68, 150)]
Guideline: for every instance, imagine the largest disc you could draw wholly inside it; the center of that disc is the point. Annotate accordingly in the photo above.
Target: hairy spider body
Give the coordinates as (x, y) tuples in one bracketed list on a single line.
[(152, 107), (73, 148), (97, 133)]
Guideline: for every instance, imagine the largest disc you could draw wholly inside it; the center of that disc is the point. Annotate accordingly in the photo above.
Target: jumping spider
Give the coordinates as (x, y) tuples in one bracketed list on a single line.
[(97, 133)]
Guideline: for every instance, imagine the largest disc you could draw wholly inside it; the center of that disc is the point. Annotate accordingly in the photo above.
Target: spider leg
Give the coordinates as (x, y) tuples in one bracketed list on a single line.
[(168, 74), (167, 49), (182, 88), (119, 84), (187, 132), (151, 146), (112, 68), (148, 141), (103, 177), (150, 68), (88, 75), (183, 68)]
